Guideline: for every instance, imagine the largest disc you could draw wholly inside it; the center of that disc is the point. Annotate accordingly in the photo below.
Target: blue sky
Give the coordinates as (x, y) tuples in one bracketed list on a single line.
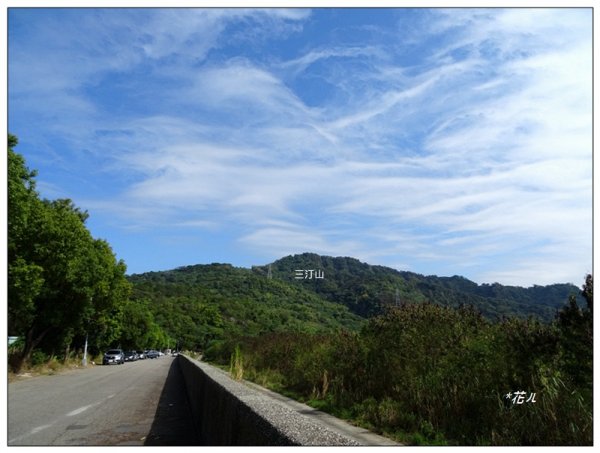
[(440, 141)]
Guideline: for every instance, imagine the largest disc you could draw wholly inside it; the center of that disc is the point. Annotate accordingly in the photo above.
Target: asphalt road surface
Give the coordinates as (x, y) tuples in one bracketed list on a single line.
[(138, 403)]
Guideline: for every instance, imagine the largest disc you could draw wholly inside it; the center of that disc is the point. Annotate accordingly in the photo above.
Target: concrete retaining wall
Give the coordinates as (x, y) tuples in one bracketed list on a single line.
[(227, 412)]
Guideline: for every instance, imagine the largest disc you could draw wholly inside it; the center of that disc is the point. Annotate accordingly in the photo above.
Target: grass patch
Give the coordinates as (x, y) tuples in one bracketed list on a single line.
[(50, 366)]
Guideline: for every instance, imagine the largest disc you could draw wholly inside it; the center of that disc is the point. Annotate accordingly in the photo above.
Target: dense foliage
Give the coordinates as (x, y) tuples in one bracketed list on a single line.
[(427, 374), (203, 304), (64, 285), (367, 290)]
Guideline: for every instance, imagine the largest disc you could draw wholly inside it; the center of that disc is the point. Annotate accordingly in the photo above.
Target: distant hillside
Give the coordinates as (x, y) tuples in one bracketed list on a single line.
[(198, 304), (366, 289)]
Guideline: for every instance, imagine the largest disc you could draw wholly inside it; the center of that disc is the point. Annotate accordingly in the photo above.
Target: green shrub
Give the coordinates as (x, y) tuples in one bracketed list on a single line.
[(38, 357), (437, 375)]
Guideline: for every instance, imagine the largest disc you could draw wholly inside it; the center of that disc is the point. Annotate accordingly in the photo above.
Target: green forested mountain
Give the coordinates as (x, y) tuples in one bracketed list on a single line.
[(366, 289), (197, 304)]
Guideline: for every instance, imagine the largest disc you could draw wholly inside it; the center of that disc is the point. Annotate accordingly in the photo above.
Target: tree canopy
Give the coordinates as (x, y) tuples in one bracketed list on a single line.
[(367, 290), (62, 282)]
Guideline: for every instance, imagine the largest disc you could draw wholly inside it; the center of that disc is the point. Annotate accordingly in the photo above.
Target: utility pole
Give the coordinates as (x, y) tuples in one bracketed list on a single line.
[(269, 273), (84, 361)]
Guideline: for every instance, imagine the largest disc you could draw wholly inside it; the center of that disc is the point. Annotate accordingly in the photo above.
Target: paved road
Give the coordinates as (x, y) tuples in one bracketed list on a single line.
[(138, 403)]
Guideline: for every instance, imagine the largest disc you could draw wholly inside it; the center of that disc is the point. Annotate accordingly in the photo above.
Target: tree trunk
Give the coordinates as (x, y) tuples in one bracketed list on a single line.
[(31, 343), (67, 352)]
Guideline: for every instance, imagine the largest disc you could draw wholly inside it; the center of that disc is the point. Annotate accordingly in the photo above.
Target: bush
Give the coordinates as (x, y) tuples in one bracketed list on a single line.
[(38, 357), (437, 375)]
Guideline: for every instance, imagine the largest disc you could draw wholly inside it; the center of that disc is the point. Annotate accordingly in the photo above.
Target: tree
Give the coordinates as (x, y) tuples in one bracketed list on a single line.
[(60, 279), (588, 292), (25, 279), (576, 328), (142, 331), (111, 291)]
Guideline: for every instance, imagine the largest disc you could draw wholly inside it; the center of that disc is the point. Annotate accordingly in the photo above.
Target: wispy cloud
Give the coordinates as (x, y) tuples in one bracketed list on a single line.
[(473, 155), (300, 64)]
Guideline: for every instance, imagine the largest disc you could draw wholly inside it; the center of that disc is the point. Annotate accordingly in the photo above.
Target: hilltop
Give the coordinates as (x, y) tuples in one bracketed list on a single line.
[(366, 289), (201, 303)]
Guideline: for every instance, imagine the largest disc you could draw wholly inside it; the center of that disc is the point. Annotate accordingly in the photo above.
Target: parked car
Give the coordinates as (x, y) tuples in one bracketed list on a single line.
[(141, 355), (130, 356), (113, 356), (152, 354)]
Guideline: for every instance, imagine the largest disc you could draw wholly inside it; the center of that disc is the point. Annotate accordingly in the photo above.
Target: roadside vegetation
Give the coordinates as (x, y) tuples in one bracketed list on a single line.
[(42, 364), (63, 284), (433, 375)]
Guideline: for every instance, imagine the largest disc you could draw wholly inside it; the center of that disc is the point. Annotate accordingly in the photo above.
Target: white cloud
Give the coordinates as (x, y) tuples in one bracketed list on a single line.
[(300, 64), (479, 154), (175, 31), (225, 87)]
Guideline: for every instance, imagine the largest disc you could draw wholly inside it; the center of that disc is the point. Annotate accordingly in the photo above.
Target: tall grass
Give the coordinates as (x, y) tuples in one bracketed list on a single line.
[(236, 367), (426, 374)]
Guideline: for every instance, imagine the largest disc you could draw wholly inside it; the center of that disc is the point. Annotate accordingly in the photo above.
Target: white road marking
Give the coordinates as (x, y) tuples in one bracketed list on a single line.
[(80, 410), (85, 408), (70, 414), (30, 433), (40, 428)]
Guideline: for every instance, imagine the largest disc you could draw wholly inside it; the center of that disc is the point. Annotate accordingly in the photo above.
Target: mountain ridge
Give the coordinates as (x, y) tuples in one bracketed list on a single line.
[(366, 289), (199, 305)]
